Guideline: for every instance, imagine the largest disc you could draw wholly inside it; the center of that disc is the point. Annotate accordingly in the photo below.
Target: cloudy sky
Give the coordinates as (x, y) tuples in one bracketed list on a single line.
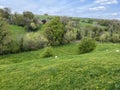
[(109, 9)]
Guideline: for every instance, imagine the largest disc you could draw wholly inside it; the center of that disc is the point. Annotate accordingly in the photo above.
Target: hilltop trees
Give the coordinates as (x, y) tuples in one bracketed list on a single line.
[(18, 19), (57, 30), (114, 31), (64, 20), (6, 14), (26, 20), (31, 22), (28, 15)]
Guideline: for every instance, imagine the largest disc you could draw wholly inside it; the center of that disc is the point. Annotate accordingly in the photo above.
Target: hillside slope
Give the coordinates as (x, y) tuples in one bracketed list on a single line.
[(98, 70), (16, 31)]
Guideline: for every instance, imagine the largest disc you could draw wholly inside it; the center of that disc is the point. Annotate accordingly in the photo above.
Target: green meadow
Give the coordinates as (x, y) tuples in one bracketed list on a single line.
[(98, 70)]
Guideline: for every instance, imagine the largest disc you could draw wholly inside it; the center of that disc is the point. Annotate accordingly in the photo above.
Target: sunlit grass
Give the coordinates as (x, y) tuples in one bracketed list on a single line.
[(16, 31), (98, 70)]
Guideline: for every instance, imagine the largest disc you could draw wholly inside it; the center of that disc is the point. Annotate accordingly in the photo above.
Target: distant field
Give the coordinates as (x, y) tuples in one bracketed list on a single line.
[(98, 70), (84, 24)]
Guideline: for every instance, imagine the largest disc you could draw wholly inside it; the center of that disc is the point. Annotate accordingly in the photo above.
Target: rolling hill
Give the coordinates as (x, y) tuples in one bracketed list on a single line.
[(98, 70)]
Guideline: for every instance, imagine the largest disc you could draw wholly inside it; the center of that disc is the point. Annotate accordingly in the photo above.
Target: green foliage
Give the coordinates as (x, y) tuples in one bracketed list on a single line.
[(26, 20), (54, 31), (33, 41), (48, 52), (5, 38), (78, 36), (5, 13), (64, 20), (28, 15), (115, 38), (86, 45), (97, 31), (58, 30), (104, 22), (10, 38), (18, 19), (33, 26), (114, 27), (105, 37), (14, 47), (86, 31), (70, 32), (69, 36)]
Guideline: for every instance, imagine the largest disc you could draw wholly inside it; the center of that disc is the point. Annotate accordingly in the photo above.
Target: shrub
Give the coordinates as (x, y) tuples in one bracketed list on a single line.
[(97, 31), (33, 41), (86, 45), (115, 38), (48, 52), (14, 46), (105, 37), (69, 36), (5, 37), (33, 26)]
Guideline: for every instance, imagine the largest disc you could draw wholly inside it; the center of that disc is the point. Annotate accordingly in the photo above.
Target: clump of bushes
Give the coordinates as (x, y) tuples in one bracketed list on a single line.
[(48, 52), (33, 41), (105, 37), (5, 37), (69, 36), (86, 45), (115, 38)]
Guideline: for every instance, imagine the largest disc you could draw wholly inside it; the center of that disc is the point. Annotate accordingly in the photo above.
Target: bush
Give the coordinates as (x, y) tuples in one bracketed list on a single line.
[(5, 37), (33, 26), (69, 36), (105, 37), (86, 45), (48, 52), (33, 41), (14, 47), (115, 38)]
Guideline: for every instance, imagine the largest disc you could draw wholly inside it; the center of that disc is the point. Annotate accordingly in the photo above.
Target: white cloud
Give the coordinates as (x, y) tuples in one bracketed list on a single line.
[(99, 8), (115, 14), (1, 6), (103, 2), (92, 8)]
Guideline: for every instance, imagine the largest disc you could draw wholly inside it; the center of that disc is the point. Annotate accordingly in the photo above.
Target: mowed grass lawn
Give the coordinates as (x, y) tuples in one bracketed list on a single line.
[(98, 70)]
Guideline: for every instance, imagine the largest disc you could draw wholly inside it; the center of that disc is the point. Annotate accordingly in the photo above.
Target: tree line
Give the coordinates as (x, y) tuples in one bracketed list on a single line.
[(58, 30)]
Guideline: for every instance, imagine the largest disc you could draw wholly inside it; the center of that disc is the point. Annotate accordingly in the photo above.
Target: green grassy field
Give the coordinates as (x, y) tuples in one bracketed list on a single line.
[(84, 24), (98, 70), (16, 31)]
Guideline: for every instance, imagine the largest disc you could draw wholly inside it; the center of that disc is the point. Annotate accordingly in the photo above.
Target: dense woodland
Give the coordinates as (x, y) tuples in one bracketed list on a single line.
[(43, 30)]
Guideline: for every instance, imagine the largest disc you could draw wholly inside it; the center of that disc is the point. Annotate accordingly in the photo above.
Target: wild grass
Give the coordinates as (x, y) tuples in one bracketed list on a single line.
[(98, 70), (16, 31)]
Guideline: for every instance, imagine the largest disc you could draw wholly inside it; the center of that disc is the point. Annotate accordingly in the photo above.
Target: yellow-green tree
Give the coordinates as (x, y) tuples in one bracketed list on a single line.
[(54, 31)]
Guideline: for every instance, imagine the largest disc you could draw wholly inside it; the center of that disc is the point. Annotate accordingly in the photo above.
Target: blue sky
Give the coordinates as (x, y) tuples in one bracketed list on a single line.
[(109, 9)]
